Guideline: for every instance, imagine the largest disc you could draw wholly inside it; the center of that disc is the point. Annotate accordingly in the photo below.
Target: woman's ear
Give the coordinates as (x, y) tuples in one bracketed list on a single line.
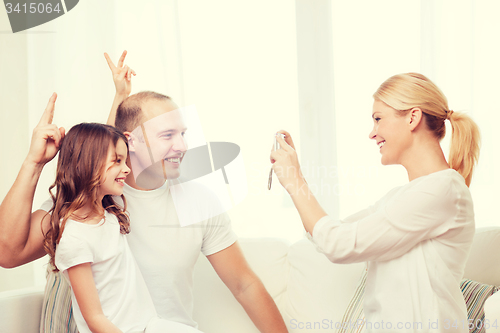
[(131, 141), (414, 118)]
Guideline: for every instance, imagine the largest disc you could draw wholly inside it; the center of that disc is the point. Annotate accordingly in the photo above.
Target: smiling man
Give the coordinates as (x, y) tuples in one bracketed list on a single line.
[(166, 251)]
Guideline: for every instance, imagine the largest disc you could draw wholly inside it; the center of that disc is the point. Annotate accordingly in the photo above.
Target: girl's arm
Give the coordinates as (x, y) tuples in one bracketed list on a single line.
[(86, 295)]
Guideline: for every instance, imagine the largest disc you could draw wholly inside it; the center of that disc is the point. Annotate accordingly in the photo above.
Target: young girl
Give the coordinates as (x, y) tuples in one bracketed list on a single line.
[(415, 239), (86, 239)]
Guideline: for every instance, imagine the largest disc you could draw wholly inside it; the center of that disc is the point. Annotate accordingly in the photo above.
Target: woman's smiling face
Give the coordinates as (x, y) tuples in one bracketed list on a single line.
[(391, 132)]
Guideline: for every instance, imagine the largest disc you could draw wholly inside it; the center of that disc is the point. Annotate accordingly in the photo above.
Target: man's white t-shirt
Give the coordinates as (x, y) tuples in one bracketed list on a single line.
[(416, 241), (166, 252)]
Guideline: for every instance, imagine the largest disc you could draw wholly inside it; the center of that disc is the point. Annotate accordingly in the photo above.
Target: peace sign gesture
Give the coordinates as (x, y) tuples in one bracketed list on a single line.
[(47, 137), (122, 75)]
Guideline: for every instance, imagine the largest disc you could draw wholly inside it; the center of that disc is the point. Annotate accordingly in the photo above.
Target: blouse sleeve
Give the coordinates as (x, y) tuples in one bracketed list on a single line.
[(411, 216), (370, 210)]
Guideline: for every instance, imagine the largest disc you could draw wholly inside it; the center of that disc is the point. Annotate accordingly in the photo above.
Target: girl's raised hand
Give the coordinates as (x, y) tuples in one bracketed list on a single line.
[(122, 75), (47, 137)]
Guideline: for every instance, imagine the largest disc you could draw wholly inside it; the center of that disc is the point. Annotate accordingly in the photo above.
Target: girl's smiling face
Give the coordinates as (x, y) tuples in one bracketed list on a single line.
[(116, 170), (391, 132)]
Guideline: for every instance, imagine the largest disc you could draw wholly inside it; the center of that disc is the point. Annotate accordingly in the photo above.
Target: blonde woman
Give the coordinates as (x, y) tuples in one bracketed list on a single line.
[(416, 239)]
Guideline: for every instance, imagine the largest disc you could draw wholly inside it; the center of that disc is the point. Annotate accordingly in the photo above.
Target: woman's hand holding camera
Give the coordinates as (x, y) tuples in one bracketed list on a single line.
[(286, 163)]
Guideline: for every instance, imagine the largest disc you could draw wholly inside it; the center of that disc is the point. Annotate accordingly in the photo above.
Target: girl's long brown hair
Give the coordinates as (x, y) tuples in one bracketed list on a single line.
[(80, 167)]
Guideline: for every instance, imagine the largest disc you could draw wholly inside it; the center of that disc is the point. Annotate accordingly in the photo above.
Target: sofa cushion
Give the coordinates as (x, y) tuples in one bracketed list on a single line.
[(492, 313), (485, 250), (20, 310), (57, 313), (475, 295), (318, 291), (215, 308)]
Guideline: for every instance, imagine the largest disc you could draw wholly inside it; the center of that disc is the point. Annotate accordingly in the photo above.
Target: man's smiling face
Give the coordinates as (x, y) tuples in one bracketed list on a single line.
[(158, 145)]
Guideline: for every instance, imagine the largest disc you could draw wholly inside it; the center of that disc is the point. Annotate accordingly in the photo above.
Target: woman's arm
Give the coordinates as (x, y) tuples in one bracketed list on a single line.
[(307, 205), (410, 216), (425, 211), (83, 285), (287, 168)]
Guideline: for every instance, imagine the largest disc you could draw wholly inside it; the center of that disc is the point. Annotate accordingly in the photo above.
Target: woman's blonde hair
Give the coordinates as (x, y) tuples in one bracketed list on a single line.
[(404, 92)]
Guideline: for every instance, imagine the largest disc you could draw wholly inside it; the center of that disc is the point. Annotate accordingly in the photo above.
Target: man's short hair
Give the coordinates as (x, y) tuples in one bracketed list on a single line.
[(129, 114)]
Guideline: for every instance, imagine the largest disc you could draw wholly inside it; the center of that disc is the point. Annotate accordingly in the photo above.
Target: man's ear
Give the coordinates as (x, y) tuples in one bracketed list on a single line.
[(132, 139), (415, 116)]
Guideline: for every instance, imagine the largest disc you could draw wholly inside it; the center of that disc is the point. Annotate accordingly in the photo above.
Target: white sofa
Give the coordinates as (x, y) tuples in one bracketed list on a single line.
[(305, 285)]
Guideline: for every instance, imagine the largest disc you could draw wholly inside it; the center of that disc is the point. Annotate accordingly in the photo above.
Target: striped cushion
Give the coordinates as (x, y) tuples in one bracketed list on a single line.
[(475, 295), (57, 314)]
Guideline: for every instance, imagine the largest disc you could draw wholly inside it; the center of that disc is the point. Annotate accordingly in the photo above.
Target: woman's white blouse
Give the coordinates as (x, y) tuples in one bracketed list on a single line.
[(416, 240)]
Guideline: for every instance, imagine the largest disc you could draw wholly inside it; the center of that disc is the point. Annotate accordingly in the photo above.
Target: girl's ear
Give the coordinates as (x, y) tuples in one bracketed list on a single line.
[(131, 138), (414, 118)]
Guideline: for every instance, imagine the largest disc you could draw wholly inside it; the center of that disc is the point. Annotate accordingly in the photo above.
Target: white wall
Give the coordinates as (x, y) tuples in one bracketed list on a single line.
[(14, 129)]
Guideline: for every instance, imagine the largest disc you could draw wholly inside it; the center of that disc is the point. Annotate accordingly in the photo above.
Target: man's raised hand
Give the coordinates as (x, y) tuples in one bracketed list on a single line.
[(122, 75), (47, 137)]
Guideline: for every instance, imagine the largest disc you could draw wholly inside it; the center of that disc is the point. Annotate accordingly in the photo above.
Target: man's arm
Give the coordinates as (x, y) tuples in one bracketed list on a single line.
[(234, 271), (122, 77), (21, 238)]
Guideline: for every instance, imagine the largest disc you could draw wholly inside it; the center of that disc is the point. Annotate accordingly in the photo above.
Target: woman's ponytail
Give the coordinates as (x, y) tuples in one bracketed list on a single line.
[(464, 147)]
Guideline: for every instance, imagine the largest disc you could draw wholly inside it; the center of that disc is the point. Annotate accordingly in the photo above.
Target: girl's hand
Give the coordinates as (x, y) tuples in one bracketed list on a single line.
[(122, 75), (286, 163), (46, 138)]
